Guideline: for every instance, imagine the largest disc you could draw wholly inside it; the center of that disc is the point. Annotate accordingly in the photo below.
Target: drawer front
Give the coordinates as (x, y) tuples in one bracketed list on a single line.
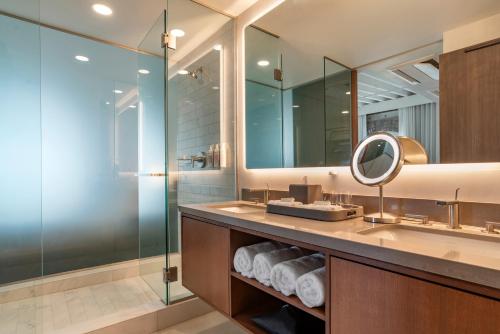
[(365, 299)]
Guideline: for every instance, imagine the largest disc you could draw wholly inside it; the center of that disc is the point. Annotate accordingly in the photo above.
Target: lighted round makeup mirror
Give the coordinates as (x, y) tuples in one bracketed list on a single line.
[(378, 159)]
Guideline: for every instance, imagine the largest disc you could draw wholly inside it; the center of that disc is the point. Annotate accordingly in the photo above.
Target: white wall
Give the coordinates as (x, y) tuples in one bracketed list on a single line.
[(479, 182), (473, 33)]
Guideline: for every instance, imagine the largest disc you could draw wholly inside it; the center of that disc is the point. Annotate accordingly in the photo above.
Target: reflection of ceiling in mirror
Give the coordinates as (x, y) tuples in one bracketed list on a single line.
[(379, 89), (359, 32)]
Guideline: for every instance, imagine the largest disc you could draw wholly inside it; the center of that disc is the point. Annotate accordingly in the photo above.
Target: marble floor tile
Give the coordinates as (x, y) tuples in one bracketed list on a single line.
[(65, 311), (211, 323)]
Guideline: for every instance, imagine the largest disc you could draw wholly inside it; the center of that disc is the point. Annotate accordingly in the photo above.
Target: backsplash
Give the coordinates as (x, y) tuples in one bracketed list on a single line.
[(471, 213)]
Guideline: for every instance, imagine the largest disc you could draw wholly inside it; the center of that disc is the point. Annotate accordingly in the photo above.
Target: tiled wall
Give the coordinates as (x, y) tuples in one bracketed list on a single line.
[(204, 115), (198, 108)]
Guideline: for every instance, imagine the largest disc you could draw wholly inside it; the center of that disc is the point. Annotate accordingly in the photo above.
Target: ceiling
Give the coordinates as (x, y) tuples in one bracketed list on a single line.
[(231, 7), (134, 23), (360, 32), (379, 89)]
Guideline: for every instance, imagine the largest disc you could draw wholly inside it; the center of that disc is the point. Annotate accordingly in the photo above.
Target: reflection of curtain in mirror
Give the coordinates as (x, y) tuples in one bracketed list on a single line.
[(362, 128), (422, 123)]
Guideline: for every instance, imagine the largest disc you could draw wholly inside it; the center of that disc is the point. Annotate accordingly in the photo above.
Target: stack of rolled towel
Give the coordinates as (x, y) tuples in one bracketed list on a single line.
[(244, 256), (286, 268)]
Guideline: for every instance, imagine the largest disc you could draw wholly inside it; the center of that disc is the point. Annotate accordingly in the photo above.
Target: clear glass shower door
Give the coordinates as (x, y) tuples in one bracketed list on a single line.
[(152, 170)]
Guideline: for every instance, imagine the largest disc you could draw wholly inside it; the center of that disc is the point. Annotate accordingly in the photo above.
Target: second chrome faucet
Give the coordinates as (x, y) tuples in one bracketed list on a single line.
[(453, 211)]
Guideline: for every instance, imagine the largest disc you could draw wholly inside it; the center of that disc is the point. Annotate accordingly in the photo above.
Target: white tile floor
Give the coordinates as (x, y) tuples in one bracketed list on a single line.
[(66, 312), (211, 323)]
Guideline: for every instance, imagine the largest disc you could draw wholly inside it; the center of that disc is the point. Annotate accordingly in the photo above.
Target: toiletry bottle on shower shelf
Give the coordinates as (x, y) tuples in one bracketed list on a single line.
[(217, 156), (210, 157)]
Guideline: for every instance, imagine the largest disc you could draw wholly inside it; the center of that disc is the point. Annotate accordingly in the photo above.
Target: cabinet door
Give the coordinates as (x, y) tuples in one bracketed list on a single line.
[(469, 102), (370, 300), (205, 262)]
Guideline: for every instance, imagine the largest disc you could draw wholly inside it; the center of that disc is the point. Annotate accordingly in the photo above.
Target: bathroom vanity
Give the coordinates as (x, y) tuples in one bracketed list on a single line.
[(402, 278)]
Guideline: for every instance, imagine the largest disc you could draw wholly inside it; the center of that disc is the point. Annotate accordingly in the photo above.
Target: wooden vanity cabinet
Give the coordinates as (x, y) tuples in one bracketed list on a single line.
[(366, 299), (205, 261)]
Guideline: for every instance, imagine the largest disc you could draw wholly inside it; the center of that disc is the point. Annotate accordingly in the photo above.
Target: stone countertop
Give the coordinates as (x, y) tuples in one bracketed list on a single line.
[(483, 269)]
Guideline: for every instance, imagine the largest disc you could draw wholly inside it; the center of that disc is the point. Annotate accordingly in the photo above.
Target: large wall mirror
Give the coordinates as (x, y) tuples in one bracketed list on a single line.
[(323, 75), (298, 105)]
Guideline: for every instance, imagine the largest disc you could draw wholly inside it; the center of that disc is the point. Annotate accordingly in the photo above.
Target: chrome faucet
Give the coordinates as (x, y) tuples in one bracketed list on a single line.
[(490, 228), (265, 193), (453, 211)]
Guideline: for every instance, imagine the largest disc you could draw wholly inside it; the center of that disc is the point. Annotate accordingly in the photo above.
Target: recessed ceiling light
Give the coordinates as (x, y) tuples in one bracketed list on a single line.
[(295, 106), (82, 58), (215, 87), (102, 9), (347, 93), (117, 91), (263, 63), (108, 103), (345, 112), (177, 32), (183, 72), (132, 106), (218, 47), (143, 71)]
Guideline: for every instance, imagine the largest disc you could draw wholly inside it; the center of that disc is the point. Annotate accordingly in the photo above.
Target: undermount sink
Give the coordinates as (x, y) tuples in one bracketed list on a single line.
[(241, 208), (454, 242)]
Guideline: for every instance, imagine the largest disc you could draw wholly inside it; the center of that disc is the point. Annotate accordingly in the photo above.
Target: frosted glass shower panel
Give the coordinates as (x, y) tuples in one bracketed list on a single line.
[(89, 136), (20, 151)]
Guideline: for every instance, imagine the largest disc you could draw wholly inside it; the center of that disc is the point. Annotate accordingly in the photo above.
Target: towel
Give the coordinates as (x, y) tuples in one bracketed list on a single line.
[(311, 288), (264, 262), (285, 274), (243, 258)]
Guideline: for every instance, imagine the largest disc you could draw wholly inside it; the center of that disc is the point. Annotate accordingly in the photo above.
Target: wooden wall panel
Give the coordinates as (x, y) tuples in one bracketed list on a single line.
[(469, 89)]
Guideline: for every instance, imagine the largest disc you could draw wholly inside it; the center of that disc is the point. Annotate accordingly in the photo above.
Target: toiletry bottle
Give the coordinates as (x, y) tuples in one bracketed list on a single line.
[(216, 156), (210, 157)]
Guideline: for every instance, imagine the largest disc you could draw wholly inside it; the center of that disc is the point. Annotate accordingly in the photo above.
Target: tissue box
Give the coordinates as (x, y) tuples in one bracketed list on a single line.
[(306, 193)]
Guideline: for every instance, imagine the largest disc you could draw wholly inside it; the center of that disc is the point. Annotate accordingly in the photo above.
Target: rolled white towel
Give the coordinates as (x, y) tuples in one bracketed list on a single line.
[(285, 274), (311, 288), (244, 256), (264, 262)]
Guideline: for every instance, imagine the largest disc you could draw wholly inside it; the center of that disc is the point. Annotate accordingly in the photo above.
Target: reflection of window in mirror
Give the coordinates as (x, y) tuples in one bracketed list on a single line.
[(400, 95)]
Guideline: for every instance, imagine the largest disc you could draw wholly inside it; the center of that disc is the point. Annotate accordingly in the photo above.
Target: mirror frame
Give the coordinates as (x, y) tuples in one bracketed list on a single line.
[(396, 165)]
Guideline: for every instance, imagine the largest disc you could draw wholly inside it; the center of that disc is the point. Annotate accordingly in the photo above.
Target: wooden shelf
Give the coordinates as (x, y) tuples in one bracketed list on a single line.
[(244, 319), (318, 312)]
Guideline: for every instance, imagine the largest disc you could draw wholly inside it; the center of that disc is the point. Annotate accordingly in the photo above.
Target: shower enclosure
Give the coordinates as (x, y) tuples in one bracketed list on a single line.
[(88, 216)]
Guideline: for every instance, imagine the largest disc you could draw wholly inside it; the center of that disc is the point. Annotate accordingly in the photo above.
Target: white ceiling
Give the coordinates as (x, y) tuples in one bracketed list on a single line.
[(231, 7), (359, 32), (134, 23)]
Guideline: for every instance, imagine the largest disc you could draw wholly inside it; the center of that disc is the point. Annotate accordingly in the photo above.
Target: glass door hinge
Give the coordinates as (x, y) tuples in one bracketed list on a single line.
[(168, 41), (170, 275), (278, 74)]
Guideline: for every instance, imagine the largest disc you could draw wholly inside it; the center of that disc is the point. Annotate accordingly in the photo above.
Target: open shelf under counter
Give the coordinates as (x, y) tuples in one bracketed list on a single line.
[(318, 312)]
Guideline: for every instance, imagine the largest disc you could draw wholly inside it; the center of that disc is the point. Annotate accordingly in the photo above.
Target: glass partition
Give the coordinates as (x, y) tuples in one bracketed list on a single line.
[(264, 100), (200, 117), (297, 106), (338, 114)]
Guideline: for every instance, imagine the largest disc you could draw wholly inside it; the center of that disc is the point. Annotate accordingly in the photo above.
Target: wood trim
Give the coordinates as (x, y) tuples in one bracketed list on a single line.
[(354, 108)]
